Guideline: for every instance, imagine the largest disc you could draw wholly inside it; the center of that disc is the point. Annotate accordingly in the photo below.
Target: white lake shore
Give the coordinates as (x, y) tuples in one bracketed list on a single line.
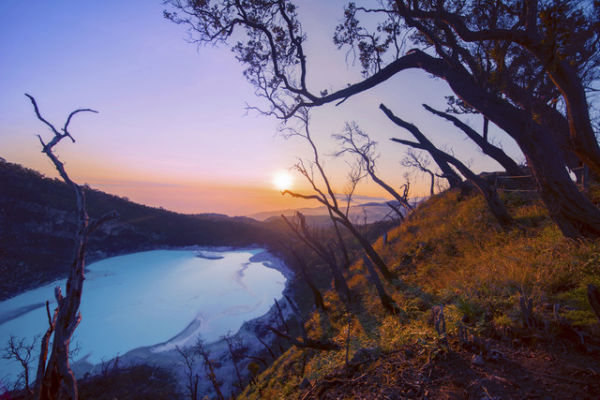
[(243, 276)]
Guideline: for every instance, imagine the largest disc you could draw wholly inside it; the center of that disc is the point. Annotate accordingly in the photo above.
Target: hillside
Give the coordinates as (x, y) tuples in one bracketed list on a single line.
[(517, 320), (37, 226)]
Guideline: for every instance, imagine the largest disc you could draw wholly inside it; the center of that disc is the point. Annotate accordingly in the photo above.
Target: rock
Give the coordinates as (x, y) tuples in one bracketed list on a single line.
[(305, 384), (477, 360)]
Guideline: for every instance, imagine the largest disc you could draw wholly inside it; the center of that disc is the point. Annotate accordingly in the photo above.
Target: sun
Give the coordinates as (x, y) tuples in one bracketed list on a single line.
[(282, 180)]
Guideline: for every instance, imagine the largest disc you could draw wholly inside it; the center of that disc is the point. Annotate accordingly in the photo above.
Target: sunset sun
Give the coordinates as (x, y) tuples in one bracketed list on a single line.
[(282, 180)]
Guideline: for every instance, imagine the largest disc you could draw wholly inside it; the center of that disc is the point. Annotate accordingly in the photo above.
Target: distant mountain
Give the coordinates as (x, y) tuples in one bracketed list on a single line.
[(37, 227), (367, 212)]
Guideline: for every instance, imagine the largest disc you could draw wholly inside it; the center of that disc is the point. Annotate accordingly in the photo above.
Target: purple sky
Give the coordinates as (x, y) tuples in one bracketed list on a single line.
[(172, 129)]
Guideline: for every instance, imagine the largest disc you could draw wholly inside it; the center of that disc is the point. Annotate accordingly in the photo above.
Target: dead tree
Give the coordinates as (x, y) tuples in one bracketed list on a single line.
[(357, 142), (306, 342), (39, 377), (236, 351), (202, 351), (301, 263), (189, 360), (386, 301), (329, 199), (495, 152), (18, 350), (323, 249), (266, 346), (414, 160), (58, 379), (281, 317)]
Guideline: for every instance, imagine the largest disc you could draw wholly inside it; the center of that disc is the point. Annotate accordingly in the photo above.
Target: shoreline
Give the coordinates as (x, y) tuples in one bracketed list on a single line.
[(247, 332)]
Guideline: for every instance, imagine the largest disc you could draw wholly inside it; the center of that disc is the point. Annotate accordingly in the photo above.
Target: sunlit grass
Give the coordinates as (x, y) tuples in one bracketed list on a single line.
[(451, 252)]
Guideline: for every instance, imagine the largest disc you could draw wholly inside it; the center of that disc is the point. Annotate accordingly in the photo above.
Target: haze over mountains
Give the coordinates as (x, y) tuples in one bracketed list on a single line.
[(361, 213), (37, 225)]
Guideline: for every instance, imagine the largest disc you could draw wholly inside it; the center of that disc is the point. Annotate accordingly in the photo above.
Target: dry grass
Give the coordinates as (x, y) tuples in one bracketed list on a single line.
[(451, 252)]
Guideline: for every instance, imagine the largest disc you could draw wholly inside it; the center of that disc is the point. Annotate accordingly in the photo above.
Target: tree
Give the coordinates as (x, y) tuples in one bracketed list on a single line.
[(201, 349), (189, 360), (236, 351), (306, 342), (506, 59), (323, 248), (355, 141), (416, 160), (489, 193), (56, 379), (327, 196), (18, 350), (495, 152), (304, 270), (447, 171)]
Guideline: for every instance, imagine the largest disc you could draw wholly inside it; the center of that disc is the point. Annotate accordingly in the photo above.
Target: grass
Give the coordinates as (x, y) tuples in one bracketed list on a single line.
[(451, 252)]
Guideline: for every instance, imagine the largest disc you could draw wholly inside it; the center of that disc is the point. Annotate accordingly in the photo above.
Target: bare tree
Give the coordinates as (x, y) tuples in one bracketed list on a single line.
[(323, 248), (44, 349), (236, 351), (189, 360), (357, 142), (301, 263), (306, 342), (201, 349), (327, 196), (447, 171), (19, 350), (388, 303), (58, 380), (417, 161), (489, 193)]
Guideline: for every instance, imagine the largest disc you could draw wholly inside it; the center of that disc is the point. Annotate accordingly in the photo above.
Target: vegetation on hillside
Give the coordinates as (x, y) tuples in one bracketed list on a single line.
[(37, 225), (452, 253)]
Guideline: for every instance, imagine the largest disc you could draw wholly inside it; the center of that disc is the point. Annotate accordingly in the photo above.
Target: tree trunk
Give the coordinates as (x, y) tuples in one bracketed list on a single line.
[(509, 165), (309, 281), (59, 381), (387, 274), (575, 215), (573, 212), (489, 193), (387, 302), (447, 171), (342, 245), (389, 189)]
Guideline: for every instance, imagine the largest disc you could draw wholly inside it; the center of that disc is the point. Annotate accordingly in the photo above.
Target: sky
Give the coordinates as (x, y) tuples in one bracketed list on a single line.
[(172, 128)]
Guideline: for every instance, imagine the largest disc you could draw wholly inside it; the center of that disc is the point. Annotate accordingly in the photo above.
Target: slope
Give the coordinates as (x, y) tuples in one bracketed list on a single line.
[(517, 322)]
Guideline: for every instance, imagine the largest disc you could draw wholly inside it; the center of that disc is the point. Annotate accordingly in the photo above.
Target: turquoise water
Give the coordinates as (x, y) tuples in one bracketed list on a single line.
[(149, 298)]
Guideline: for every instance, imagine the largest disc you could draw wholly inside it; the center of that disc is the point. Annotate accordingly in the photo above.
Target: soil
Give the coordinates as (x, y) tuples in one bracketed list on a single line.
[(504, 371)]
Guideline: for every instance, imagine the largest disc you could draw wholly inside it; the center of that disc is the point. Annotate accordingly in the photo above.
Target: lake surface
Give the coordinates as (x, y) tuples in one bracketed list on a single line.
[(161, 297)]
